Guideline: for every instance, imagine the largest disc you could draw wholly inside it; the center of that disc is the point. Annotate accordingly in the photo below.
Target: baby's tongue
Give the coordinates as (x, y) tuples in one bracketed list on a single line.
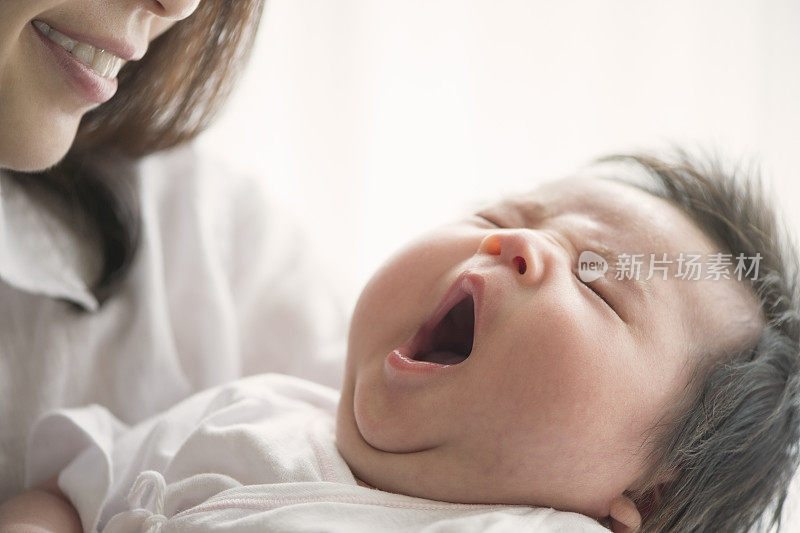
[(443, 357)]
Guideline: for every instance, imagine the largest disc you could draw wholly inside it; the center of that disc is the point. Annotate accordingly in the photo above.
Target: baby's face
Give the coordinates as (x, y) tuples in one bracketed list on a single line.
[(562, 380)]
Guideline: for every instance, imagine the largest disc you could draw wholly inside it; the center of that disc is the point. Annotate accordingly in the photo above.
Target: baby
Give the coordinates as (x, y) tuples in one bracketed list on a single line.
[(623, 351)]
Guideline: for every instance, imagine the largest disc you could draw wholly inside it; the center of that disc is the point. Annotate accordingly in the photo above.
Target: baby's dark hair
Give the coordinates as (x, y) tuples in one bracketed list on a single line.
[(730, 448)]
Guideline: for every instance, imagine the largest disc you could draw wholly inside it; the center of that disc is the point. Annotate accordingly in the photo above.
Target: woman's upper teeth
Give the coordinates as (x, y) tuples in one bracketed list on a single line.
[(104, 63)]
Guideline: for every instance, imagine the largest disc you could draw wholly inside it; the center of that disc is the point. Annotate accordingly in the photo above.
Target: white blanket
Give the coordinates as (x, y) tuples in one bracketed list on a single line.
[(254, 455)]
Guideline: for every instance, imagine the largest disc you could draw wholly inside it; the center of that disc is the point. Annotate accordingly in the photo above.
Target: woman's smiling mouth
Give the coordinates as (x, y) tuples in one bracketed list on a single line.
[(89, 71), (102, 62)]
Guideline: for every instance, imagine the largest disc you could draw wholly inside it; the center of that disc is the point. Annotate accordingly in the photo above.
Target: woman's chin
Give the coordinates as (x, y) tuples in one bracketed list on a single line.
[(37, 150)]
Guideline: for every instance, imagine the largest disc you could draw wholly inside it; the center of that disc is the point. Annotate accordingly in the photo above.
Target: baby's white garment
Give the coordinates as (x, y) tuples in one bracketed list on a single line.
[(257, 454)]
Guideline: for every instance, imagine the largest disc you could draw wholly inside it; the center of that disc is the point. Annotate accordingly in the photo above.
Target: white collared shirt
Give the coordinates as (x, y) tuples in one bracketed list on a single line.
[(224, 285)]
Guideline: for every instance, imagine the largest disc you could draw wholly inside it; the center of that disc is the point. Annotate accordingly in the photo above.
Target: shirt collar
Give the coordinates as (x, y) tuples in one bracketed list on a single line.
[(39, 252)]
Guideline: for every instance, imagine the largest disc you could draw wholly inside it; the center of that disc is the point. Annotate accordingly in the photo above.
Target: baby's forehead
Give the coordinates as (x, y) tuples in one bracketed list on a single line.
[(605, 208), (596, 195)]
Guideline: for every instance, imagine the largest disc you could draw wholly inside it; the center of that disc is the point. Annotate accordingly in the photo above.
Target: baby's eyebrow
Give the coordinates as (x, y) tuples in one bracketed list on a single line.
[(530, 210)]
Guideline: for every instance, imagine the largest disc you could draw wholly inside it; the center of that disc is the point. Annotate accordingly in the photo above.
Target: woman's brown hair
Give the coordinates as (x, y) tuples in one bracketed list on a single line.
[(167, 98)]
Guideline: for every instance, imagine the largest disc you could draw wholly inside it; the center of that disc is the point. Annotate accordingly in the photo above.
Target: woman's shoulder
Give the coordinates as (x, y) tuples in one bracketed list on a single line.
[(188, 195), (213, 231), (187, 174)]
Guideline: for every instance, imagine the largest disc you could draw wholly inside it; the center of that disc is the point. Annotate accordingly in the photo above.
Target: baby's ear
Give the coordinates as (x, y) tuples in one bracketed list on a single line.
[(627, 517)]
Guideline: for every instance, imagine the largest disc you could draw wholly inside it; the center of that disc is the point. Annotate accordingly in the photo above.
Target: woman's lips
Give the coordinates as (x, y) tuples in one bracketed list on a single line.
[(400, 362), (83, 79)]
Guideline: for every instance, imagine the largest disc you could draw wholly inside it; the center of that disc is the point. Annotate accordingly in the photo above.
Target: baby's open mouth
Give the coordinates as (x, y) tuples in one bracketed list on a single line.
[(447, 341), (447, 338)]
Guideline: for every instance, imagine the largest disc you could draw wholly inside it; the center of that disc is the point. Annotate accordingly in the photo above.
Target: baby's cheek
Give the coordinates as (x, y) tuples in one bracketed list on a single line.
[(573, 363), (407, 288)]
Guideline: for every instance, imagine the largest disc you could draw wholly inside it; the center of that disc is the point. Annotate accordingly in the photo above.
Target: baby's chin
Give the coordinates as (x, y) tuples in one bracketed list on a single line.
[(434, 473), (384, 470), (440, 475)]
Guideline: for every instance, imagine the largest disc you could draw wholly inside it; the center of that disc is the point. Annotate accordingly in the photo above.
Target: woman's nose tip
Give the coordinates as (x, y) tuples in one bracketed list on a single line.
[(176, 9)]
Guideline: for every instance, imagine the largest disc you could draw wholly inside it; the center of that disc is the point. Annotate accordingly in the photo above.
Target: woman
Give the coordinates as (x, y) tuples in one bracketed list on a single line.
[(128, 279)]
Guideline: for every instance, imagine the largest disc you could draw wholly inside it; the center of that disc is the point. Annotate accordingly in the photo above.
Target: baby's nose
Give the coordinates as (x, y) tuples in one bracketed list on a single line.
[(517, 250)]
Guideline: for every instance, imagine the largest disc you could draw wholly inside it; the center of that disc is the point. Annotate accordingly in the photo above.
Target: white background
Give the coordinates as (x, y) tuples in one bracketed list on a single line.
[(378, 119)]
